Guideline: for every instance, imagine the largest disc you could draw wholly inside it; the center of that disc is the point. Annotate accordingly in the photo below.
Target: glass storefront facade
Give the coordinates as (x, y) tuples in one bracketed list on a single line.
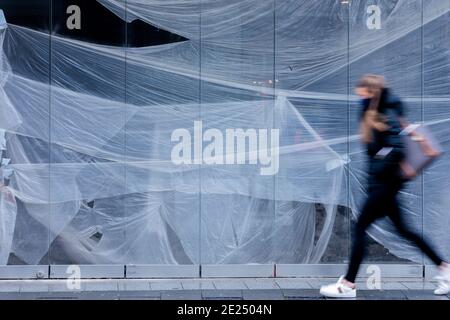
[(92, 174)]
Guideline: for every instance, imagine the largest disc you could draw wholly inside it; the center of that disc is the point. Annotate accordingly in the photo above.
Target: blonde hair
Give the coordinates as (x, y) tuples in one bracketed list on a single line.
[(375, 85), (372, 119)]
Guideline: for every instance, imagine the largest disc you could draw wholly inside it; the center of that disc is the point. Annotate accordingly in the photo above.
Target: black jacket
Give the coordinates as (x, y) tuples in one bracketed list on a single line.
[(386, 150)]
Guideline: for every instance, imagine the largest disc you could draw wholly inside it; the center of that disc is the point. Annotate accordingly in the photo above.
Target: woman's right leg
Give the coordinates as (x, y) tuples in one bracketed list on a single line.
[(371, 211), (345, 287)]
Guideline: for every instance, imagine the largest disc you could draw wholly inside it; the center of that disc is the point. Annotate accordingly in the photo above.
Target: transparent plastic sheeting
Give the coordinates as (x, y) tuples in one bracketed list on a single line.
[(87, 132)]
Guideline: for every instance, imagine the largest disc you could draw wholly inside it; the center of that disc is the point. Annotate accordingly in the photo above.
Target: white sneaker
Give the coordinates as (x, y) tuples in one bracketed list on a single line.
[(338, 290), (442, 289), (443, 282)]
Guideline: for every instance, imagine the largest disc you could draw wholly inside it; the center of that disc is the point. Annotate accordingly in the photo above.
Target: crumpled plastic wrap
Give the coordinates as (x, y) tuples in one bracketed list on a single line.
[(88, 131)]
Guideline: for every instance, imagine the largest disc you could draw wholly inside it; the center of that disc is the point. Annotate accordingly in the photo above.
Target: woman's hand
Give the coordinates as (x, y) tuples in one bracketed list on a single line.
[(408, 171), (426, 147)]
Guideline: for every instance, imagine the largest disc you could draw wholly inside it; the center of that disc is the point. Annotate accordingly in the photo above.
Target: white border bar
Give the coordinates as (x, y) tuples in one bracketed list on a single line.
[(336, 270), (212, 271), (24, 272), (89, 271), (162, 271)]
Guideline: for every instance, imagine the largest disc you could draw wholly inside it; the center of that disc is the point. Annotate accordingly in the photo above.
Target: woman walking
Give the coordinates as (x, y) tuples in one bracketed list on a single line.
[(380, 125)]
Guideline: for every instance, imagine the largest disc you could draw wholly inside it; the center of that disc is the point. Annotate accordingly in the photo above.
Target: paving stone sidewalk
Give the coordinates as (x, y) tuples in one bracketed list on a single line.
[(208, 289)]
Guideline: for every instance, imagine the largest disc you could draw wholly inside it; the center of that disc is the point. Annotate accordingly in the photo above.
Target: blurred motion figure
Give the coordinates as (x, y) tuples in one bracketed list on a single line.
[(381, 122)]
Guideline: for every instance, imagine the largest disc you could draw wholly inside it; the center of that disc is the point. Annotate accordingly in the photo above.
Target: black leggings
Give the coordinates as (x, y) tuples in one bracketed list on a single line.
[(382, 201)]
